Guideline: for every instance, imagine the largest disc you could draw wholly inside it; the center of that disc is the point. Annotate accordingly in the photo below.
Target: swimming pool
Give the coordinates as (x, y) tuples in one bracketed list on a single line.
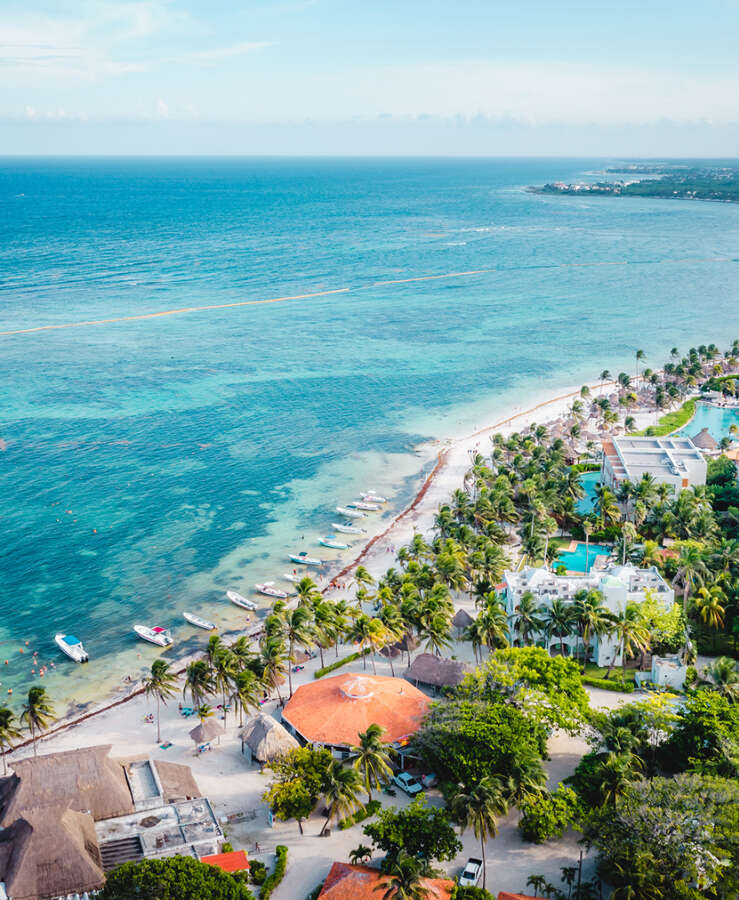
[(714, 418), (574, 560), (586, 503)]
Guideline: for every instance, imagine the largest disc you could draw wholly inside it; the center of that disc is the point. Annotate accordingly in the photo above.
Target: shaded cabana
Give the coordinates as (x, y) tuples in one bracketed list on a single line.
[(462, 619), (429, 670), (704, 441), (206, 731), (266, 739)]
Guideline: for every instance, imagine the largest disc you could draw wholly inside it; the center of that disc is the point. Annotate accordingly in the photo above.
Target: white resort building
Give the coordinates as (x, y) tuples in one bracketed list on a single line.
[(619, 585), (669, 460)]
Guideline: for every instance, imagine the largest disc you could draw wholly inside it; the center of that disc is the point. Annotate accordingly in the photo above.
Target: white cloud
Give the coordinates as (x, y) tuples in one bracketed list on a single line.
[(214, 55), (162, 109)]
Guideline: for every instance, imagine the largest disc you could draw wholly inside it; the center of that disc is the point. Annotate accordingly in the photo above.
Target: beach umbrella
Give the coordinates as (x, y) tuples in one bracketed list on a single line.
[(206, 731)]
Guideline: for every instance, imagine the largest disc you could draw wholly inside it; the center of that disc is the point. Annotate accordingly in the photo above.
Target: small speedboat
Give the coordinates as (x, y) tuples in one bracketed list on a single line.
[(370, 507), (372, 497), (302, 559), (156, 635), (350, 513), (243, 602), (332, 543), (197, 621), (296, 579), (270, 591), (348, 529), (72, 646)]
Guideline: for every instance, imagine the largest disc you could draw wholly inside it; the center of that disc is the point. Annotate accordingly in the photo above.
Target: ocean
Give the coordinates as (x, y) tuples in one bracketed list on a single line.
[(149, 464)]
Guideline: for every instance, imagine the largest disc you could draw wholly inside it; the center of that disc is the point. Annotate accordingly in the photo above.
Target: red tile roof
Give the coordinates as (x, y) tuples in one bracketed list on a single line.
[(347, 882), (235, 861), (334, 710)]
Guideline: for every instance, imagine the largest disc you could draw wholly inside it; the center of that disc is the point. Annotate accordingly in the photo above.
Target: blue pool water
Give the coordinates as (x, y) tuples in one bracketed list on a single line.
[(574, 560), (586, 503), (147, 465), (716, 419)]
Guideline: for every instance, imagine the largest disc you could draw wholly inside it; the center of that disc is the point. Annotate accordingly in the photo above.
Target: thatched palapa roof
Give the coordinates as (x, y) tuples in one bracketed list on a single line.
[(704, 441), (267, 739), (462, 619), (427, 668), (207, 731)]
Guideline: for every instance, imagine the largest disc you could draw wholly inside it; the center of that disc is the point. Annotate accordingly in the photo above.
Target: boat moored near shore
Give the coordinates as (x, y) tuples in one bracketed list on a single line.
[(156, 635), (302, 559), (238, 600), (197, 621), (72, 646), (268, 589), (362, 504), (348, 529), (332, 543), (350, 513)]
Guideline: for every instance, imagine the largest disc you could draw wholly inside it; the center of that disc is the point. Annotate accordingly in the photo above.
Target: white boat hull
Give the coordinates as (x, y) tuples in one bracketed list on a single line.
[(270, 591), (75, 652), (305, 560), (296, 579), (198, 622), (370, 507), (238, 600), (334, 545), (371, 497), (347, 529), (350, 513), (161, 638)]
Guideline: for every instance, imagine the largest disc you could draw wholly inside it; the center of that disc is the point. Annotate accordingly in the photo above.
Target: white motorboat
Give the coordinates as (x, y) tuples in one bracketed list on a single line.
[(302, 559), (197, 621), (243, 602), (372, 497), (296, 579), (350, 513), (370, 507), (348, 529), (333, 543), (72, 646), (270, 591), (156, 635)]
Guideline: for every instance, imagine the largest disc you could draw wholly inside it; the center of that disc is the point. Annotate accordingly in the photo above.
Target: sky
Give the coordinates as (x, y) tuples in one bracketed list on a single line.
[(470, 77)]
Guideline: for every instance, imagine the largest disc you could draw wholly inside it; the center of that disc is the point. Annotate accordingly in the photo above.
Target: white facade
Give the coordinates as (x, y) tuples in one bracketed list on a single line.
[(667, 672), (669, 460), (620, 585)]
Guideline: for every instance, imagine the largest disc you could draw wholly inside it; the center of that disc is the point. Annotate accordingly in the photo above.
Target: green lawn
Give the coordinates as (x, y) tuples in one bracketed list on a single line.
[(671, 422), (593, 671)]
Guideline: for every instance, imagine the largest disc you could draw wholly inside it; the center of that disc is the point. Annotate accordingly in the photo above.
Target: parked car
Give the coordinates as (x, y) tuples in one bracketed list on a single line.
[(408, 783), (472, 872)]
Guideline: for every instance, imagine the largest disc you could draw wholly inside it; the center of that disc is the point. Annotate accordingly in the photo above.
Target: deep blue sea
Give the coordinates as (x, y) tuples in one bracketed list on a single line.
[(148, 465)]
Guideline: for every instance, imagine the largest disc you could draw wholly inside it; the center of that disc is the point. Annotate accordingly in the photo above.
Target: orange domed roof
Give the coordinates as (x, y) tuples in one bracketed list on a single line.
[(335, 710)]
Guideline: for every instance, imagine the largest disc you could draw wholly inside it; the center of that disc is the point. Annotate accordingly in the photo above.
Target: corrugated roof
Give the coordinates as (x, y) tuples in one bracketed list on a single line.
[(334, 710)]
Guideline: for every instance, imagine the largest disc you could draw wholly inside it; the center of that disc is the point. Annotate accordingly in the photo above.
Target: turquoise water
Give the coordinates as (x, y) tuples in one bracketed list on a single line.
[(151, 464), (715, 419), (589, 481), (575, 560)]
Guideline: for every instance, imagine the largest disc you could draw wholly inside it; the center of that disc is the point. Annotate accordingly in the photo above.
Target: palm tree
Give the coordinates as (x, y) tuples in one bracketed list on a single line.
[(360, 854), (711, 604), (632, 634), (640, 354), (557, 620), (274, 662), (435, 630), (38, 711), (225, 669), (297, 623), (204, 711), (592, 617), (605, 375), (340, 791), (536, 883), (161, 684), (372, 758), (690, 570), (477, 808), (526, 616), (615, 774), (8, 731), (403, 879), (198, 682), (245, 689), (722, 676)]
